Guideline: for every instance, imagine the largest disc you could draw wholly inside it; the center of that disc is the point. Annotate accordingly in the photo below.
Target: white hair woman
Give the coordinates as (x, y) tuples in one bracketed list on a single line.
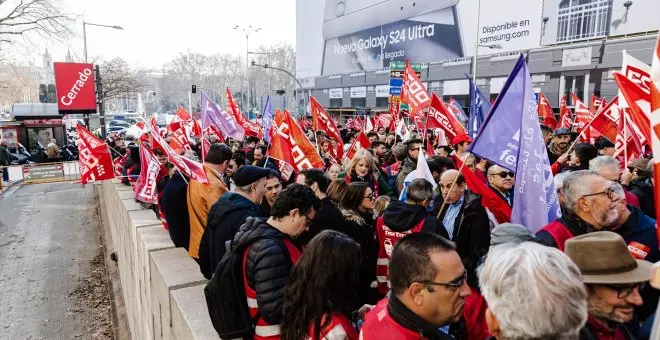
[(533, 292), (362, 168)]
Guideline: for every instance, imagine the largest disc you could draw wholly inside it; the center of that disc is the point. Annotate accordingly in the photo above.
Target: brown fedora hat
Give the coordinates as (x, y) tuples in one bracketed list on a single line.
[(603, 258)]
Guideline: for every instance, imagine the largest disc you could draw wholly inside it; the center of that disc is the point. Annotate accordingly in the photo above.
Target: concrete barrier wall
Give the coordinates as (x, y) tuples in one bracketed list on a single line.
[(162, 287)]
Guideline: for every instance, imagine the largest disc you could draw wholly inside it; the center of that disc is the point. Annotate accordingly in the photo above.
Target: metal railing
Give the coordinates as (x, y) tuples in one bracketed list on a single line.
[(36, 173)]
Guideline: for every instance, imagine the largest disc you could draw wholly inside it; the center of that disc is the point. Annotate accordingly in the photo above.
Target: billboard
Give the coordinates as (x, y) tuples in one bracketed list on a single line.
[(347, 36), (76, 91), (571, 20)]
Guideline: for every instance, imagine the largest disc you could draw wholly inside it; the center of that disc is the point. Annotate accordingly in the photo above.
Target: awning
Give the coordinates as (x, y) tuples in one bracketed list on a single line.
[(32, 110)]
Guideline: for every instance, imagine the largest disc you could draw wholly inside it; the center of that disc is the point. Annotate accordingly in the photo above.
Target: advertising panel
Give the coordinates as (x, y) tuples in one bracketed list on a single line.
[(571, 20), (76, 91), (345, 36)]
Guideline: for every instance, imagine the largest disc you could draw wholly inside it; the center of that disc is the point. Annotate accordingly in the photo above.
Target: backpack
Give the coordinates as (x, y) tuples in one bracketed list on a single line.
[(226, 299)]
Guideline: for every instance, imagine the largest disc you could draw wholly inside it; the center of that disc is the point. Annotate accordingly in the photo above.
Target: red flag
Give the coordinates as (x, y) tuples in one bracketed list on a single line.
[(196, 129), (639, 103), (322, 121), (654, 89), (383, 121), (179, 133), (349, 123), (206, 146), (140, 125), (440, 117), (489, 199), (395, 113), (632, 147), (596, 103), (95, 159), (546, 115), (183, 114), (582, 114), (361, 142), (606, 121), (357, 124), (186, 166), (251, 129), (292, 146), (565, 114), (413, 91), (150, 171)]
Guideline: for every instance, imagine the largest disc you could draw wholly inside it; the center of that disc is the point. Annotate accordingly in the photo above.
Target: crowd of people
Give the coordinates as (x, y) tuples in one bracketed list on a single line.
[(332, 253)]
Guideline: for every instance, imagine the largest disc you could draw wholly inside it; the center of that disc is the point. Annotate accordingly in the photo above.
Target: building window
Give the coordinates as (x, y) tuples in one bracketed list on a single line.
[(382, 102), (335, 102), (358, 102), (582, 19)]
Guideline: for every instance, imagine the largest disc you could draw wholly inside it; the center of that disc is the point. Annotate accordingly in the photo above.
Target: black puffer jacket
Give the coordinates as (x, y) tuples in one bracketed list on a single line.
[(268, 265), (226, 217), (400, 217), (644, 191)]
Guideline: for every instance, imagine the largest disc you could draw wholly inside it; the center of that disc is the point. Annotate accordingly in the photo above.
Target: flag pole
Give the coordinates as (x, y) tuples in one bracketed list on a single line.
[(444, 202), (581, 131)]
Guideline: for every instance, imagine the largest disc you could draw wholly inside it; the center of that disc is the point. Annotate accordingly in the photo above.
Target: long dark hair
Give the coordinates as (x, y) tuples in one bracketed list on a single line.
[(354, 196), (324, 281)]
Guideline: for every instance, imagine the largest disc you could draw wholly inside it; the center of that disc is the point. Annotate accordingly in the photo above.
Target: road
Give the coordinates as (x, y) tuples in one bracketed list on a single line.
[(52, 277)]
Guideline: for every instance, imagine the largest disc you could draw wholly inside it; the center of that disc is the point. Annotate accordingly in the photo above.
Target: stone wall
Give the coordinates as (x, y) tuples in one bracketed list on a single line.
[(162, 287)]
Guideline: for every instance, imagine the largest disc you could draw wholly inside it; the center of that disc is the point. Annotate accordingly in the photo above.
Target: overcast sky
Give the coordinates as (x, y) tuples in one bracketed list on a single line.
[(155, 31)]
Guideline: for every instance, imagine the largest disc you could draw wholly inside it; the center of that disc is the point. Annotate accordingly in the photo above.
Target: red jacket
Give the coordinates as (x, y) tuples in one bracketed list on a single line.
[(378, 324), (475, 316), (340, 328)]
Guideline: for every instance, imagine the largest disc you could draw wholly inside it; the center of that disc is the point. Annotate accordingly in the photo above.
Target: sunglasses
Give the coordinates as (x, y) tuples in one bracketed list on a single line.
[(505, 174)]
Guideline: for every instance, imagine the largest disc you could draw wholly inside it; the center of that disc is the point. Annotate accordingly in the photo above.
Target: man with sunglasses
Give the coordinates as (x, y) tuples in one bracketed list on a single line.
[(590, 204), (613, 279), (501, 181), (428, 295)]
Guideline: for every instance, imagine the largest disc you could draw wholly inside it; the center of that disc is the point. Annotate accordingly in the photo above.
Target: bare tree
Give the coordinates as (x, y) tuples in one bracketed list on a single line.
[(119, 79), (20, 18)]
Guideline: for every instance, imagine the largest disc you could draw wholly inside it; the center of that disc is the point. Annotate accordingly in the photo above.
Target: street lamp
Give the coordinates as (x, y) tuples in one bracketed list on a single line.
[(270, 86), (99, 25), (474, 61), (290, 75), (247, 30)]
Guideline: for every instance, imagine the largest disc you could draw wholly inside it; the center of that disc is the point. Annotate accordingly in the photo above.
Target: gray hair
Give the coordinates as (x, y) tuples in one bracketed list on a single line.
[(559, 179), (601, 162), (574, 187), (420, 190), (534, 292)]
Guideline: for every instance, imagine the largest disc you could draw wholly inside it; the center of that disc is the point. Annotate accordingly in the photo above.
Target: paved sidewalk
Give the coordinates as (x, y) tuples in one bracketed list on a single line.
[(51, 284)]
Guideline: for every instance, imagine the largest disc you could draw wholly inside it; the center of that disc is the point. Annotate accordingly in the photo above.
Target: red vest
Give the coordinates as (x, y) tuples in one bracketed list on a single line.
[(338, 329), (559, 232), (386, 241), (378, 324), (264, 330)]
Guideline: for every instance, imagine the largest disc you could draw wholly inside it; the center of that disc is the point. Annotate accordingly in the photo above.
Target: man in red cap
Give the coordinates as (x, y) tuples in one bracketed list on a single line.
[(461, 143)]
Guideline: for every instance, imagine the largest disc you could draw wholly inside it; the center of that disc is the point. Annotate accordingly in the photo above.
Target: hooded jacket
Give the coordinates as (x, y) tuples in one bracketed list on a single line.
[(267, 266), (226, 217), (400, 217)]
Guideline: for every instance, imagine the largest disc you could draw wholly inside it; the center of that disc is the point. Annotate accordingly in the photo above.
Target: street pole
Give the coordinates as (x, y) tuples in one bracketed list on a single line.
[(85, 39), (247, 70), (100, 100), (476, 51), (190, 101)]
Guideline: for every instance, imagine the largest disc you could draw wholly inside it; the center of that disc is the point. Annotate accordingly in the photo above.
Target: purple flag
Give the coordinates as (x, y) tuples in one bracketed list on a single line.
[(511, 137), (212, 114), (267, 119)]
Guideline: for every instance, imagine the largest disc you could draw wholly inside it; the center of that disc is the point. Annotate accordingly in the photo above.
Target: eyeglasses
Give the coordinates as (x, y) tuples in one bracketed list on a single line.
[(623, 291), (309, 220), (454, 284), (505, 174), (371, 197), (609, 192)]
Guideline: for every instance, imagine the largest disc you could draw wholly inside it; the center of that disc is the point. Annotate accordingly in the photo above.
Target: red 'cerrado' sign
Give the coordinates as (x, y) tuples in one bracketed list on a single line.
[(76, 91)]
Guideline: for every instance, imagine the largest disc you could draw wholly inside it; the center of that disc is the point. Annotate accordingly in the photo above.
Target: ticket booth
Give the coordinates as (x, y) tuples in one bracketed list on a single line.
[(40, 124)]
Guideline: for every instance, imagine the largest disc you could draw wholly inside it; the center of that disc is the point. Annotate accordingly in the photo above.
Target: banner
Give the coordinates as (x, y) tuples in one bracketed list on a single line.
[(94, 157), (440, 117), (292, 146), (76, 91), (212, 115), (145, 187), (413, 92)]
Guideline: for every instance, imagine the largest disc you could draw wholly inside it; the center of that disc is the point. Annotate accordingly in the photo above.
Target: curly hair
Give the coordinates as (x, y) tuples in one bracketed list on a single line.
[(367, 157), (311, 295)]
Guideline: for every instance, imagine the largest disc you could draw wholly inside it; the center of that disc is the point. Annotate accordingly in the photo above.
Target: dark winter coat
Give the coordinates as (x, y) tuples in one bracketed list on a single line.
[(267, 267), (329, 217), (471, 233), (175, 207), (644, 191), (226, 217), (362, 229), (401, 217)]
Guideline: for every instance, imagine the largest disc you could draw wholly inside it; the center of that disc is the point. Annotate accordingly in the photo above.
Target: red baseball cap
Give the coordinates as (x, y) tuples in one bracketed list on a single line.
[(460, 139)]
